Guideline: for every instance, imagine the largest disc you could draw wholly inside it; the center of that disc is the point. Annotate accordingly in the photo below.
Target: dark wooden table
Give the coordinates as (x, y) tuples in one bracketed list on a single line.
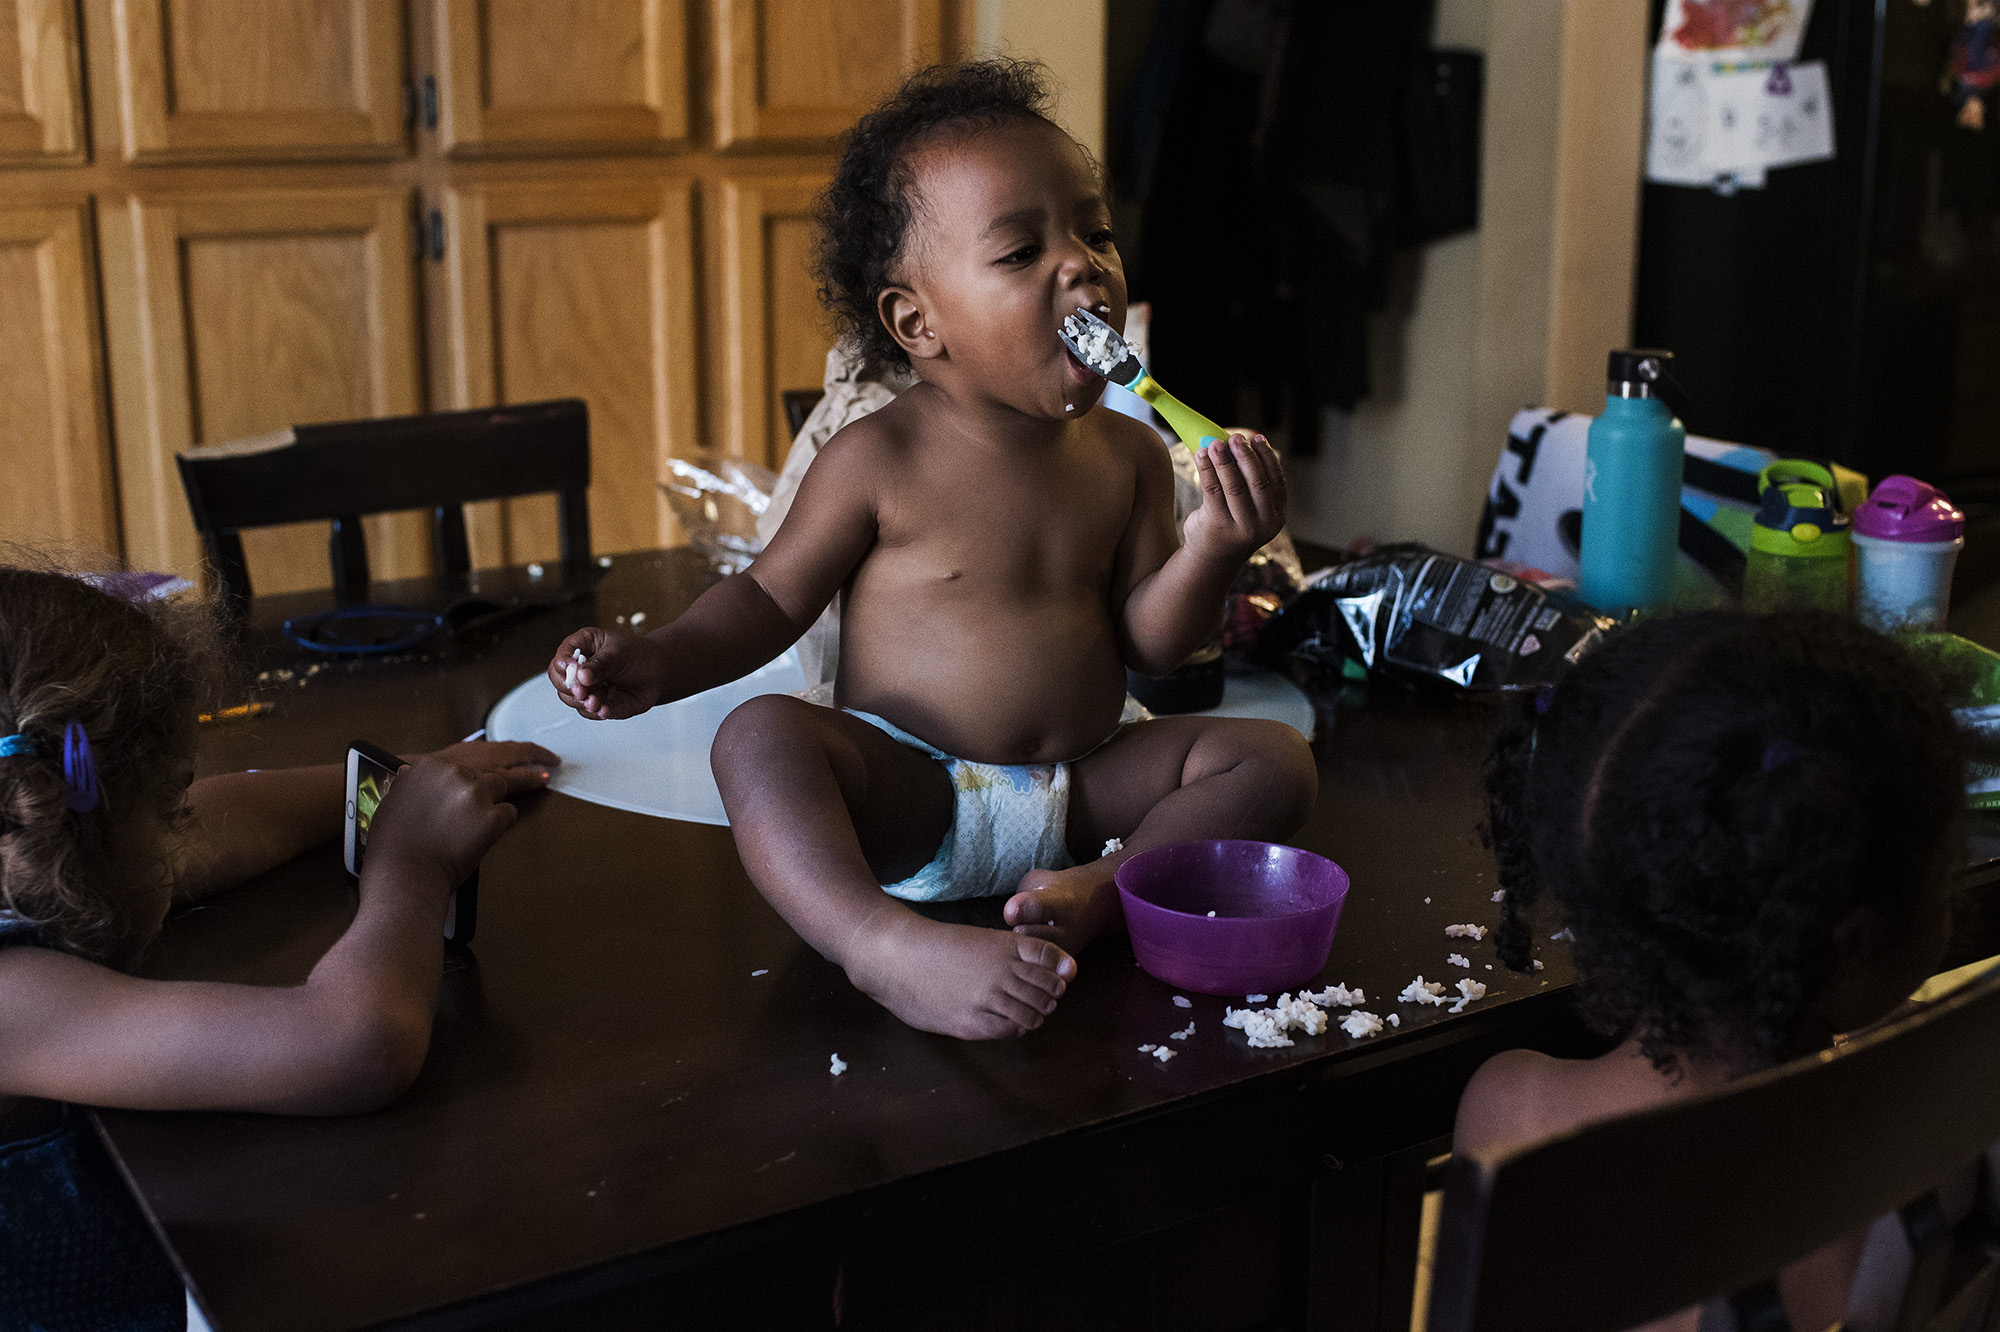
[(619, 1125)]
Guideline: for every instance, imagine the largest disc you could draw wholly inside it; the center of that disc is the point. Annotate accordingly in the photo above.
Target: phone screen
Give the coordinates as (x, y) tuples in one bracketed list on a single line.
[(370, 773), (372, 781)]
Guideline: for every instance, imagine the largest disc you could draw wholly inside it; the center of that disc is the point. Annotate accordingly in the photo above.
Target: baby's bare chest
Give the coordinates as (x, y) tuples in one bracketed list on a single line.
[(1018, 532)]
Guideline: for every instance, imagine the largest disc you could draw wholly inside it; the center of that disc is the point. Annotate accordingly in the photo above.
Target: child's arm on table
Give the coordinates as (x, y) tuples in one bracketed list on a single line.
[(748, 618), (1175, 595), (351, 1038), (248, 822)]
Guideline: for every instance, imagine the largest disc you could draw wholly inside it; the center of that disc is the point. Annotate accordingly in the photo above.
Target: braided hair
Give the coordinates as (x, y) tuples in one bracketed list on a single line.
[(132, 674), (1706, 798), (864, 214)]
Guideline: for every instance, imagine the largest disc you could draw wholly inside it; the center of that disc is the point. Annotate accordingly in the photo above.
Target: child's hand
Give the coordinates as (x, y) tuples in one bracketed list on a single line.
[(620, 675), (1242, 499), (501, 756), (449, 813)]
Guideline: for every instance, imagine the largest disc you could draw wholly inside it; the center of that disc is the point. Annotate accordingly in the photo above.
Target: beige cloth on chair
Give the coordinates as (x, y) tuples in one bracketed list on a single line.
[(852, 391)]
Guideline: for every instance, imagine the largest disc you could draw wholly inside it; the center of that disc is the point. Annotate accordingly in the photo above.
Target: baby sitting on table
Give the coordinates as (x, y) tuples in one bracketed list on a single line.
[(1003, 553)]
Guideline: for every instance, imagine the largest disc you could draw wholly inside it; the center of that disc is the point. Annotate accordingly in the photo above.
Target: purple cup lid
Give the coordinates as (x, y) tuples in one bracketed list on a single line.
[(1906, 509)]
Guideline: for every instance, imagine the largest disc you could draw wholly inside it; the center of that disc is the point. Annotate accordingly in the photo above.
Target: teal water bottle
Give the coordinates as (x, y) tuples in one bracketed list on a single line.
[(1632, 489)]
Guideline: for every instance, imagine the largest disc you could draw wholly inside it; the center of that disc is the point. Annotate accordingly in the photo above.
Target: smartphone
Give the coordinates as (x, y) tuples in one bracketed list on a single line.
[(371, 770)]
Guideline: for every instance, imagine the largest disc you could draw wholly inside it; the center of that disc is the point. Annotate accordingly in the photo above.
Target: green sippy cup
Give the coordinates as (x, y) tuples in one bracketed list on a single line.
[(1799, 549)]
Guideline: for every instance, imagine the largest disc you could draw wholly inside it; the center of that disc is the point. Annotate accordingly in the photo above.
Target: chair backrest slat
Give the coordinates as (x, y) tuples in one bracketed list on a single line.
[(341, 470), (1624, 1221)]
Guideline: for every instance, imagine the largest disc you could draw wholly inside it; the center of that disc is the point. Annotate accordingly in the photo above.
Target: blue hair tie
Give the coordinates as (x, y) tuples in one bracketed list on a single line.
[(13, 746), (1543, 697), (79, 769)]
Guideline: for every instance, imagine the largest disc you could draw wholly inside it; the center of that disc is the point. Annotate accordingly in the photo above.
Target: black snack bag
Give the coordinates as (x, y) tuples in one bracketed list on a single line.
[(1414, 611)]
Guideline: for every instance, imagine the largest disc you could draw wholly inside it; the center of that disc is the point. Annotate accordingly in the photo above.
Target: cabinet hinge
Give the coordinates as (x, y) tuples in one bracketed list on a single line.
[(434, 229), (429, 99)]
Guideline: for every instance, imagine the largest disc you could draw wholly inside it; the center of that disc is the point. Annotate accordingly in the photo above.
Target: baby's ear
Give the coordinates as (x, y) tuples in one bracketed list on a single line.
[(904, 317)]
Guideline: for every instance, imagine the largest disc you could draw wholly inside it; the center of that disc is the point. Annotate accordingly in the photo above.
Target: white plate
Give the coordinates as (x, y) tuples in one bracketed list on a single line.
[(657, 762)]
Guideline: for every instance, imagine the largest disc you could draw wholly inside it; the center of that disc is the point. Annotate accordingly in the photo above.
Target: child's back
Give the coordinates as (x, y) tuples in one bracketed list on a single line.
[(1746, 824)]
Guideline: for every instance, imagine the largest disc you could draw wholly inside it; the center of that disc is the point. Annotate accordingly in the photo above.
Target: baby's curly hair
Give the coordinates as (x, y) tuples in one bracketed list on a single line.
[(1706, 797), (864, 214), (134, 673)]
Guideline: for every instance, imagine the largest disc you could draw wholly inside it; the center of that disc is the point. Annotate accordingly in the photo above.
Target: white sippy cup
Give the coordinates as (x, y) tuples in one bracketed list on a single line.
[(1906, 538)]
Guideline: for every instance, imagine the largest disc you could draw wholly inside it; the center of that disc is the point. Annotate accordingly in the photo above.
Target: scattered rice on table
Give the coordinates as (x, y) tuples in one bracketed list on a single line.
[(1421, 991), (1359, 1024), (1472, 932)]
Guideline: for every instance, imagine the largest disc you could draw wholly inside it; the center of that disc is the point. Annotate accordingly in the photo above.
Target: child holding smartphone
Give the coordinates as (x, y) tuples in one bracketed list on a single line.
[(102, 829)]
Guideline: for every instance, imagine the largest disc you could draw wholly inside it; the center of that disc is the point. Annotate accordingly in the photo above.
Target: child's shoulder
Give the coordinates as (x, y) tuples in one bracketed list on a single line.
[(1521, 1095), (1136, 445), (1507, 1100)]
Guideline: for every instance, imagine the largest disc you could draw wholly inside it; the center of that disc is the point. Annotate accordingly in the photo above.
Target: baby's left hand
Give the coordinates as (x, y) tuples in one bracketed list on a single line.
[(1242, 499)]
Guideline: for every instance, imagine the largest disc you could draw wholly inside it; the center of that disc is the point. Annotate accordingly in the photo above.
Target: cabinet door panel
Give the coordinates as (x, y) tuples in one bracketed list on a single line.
[(58, 451), (577, 291), (232, 315), (774, 333), (525, 76), (278, 79), (803, 70), (40, 83)]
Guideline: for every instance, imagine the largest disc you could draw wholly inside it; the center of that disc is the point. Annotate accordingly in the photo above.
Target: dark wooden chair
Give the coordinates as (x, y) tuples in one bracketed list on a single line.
[(1627, 1221), (799, 404), (342, 470)]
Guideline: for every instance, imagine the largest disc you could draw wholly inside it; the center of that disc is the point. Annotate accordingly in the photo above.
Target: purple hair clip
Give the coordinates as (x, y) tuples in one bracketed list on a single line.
[(79, 769), (1778, 753)]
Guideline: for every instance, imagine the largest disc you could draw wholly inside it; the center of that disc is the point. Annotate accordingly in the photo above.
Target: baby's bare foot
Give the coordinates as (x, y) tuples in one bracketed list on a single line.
[(1068, 907), (960, 980)]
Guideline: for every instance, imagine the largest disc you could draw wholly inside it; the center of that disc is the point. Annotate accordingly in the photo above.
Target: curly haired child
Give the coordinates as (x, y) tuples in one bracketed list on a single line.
[(1003, 553), (1747, 825), (102, 828)]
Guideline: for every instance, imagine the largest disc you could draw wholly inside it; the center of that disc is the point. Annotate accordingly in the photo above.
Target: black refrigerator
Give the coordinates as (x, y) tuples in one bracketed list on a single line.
[(1849, 308)]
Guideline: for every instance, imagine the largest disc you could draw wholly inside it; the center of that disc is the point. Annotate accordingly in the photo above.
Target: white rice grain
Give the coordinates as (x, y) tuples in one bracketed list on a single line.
[(1359, 1024), (1421, 991)]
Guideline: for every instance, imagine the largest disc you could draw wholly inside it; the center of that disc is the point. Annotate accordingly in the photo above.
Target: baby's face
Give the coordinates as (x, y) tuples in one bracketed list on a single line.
[(1011, 235)]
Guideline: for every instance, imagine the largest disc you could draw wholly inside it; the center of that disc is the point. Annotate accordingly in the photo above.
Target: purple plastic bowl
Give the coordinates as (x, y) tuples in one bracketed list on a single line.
[(1276, 908)]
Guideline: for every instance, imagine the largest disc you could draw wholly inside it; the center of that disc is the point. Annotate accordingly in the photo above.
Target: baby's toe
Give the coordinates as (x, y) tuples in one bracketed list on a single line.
[(1030, 906), (1028, 987), (1042, 954)]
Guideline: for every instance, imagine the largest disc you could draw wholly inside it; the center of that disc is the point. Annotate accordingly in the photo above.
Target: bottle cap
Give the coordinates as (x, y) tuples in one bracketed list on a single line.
[(1639, 367), (1798, 511), (1906, 509), (1645, 373)]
